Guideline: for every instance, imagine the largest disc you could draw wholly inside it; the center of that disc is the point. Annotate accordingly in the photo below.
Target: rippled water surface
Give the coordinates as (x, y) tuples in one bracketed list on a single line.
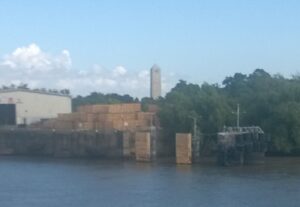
[(30, 182)]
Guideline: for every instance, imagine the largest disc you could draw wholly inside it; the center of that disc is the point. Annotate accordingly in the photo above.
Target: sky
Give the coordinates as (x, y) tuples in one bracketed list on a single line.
[(109, 45)]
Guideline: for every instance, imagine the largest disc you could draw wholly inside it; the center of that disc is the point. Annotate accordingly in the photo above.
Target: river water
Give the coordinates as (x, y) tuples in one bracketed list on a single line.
[(41, 182)]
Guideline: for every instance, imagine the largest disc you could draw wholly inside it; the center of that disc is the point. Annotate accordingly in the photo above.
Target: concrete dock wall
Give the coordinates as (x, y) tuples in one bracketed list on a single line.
[(183, 148), (143, 146), (61, 144)]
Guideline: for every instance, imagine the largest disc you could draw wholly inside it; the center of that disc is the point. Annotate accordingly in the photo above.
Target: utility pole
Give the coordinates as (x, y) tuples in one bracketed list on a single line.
[(238, 116), (195, 141), (195, 126)]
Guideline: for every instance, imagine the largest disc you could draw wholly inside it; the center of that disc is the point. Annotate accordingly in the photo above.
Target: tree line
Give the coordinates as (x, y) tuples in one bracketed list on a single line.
[(100, 98), (269, 101)]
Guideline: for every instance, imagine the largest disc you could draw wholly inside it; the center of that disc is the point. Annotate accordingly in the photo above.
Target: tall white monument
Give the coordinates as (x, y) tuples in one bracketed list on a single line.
[(155, 81)]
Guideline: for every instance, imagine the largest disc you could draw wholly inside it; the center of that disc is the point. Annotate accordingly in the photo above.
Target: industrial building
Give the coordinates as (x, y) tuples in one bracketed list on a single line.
[(25, 106), (155, 87)]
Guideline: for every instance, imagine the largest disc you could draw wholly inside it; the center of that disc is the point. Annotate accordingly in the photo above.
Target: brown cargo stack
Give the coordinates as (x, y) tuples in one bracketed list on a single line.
[(62, 125), (99, 108), (183, 148), (116, 116), (105, 117), (143, 146), (110, 108)]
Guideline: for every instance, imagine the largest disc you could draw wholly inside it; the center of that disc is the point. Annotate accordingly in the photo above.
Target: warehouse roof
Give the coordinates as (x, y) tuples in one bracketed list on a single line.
[(39, 91)]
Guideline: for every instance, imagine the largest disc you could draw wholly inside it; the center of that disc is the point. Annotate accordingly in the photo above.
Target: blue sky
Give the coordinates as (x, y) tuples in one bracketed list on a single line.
[(192, 40)]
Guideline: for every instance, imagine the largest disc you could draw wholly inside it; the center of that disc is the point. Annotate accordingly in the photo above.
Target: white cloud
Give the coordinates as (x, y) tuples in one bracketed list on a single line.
[(144, 74), (119, 71), (32, 59), (39, 69)]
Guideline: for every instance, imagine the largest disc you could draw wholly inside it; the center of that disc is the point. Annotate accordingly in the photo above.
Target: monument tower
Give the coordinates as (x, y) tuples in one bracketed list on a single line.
[(155, 81)]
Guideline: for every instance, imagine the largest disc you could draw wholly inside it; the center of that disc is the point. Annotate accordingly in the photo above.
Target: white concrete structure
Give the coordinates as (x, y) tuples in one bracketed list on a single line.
[(155, 87), (32, 106)]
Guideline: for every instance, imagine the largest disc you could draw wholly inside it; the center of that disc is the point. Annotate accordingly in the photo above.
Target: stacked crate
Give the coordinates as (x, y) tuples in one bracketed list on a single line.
[(116, 116), (105, 117), (183, 148)]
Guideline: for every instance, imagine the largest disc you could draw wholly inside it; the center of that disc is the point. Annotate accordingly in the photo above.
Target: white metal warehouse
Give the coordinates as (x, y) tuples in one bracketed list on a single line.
[(25, 106)]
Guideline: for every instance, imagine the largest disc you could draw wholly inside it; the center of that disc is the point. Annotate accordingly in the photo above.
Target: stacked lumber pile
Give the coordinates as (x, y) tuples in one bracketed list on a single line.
[(143, 146), (122, 117), (183, 148)]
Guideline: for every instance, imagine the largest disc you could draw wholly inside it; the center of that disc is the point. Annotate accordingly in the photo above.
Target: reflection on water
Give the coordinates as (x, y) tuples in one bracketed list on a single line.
[(29, 182), (184, 168)]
